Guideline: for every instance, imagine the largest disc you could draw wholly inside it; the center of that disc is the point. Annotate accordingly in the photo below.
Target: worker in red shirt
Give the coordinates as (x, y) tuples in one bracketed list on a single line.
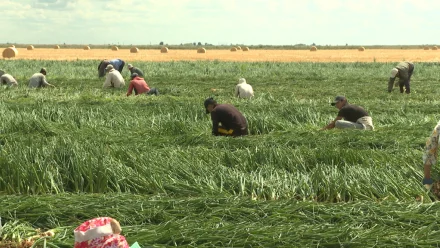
[(139, 86)]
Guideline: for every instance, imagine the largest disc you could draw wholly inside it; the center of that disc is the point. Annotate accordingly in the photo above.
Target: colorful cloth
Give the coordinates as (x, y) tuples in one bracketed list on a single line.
[(98, 233), (431, 149)]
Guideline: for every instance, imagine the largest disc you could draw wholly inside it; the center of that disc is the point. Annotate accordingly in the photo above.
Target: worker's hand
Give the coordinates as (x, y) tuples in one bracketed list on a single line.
[(427, 182)]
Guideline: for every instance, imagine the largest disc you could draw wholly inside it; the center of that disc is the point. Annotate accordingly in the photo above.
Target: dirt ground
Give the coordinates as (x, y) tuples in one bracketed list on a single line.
[(378, 55)]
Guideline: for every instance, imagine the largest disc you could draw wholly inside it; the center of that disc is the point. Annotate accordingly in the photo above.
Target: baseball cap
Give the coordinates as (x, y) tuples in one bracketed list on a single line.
[(130, 66), (241, 80), (338, 99), (43, 70), (109, 67), (134, 75), (209, 101), (394, 72)]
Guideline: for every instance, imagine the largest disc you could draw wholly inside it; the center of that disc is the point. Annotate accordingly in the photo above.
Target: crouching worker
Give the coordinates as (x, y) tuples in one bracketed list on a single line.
[(430, 156), (226, 119), (243, 89), (102, 232), (139, 86), (114, 78), (353, 116), (38, 80), (7, 79)]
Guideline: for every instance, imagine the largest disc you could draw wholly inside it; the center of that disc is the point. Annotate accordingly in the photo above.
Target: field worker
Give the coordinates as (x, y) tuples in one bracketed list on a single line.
[(226, 119), (354, 116), (133, 69), (243, 89), (139, 86), (38, 80), (114, 78), (430, 156), (118, 64), (7, 79), (101, 232), (403, 71)]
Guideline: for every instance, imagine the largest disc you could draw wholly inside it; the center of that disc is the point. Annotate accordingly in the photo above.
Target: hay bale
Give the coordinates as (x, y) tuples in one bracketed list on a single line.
[(313, 49), (56, 47), (201, 50), (233, 49), (426, 48), (361, 49), (10, 52), (115, 48), (134, 50), (30, 47), (434, 48), (245, 49), (86, 47), (238, 47), (164, 50)]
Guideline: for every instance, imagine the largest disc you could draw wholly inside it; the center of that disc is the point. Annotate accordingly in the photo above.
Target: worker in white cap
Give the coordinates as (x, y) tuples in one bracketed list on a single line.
[(403, 71), (114, 78), (136, 70), (243, 89)]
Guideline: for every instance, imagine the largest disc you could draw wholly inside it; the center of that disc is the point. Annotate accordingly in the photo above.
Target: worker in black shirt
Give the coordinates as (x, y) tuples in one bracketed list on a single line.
[(350, 116), (226, 119)]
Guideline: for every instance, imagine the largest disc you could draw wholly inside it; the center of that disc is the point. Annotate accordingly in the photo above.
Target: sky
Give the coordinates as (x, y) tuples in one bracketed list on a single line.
[(220, 22)]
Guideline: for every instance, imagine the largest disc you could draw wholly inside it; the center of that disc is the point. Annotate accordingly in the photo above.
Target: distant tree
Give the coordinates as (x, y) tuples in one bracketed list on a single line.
[(313, 44), (346, 44), (161, 43), (199, 44), (194, 43)]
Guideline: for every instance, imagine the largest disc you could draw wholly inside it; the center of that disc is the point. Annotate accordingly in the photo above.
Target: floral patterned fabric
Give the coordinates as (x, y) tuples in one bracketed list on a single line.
[(108, 241), (431, 149)]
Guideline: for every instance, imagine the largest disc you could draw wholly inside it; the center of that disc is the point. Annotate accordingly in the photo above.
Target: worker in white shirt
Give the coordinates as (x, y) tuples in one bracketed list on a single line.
[(243, 89), (114, 78), (7, 79)]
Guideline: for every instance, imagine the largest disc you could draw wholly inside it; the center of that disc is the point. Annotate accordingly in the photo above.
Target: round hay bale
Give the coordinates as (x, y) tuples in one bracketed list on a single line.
[(233, 49), (245, 49), (434, 48), (238, 47), (86, 47), (134, 50), (313, 49), (56, 47), (10, 52), (201, 50), (30, 47), (361, 49), (426, 48), (164, 50), (115, 48)]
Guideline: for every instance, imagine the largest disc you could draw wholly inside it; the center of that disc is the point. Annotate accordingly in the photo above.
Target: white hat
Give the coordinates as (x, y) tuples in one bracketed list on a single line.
[(241, 80), (109, 67), (394, 72)]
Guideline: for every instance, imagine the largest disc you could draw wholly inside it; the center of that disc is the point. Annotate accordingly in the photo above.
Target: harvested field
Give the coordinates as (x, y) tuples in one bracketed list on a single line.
[(353, 55)]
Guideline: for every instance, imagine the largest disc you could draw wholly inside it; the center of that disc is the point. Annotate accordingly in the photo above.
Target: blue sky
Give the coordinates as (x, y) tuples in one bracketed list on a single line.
[(249, 22)]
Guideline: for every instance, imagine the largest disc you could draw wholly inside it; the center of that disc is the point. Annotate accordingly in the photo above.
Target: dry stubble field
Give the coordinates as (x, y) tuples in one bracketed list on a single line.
[(373, 55)]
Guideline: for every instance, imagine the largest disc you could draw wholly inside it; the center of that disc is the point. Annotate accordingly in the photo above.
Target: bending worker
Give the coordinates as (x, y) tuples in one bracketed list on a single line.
[(226, 119), (403, 71)]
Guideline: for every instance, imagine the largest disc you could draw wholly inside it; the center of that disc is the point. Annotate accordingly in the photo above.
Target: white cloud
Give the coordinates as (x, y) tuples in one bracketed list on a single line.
[(219, 21)]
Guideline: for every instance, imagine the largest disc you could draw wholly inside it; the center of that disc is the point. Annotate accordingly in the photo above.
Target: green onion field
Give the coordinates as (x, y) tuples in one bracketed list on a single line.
[(78, 151)]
